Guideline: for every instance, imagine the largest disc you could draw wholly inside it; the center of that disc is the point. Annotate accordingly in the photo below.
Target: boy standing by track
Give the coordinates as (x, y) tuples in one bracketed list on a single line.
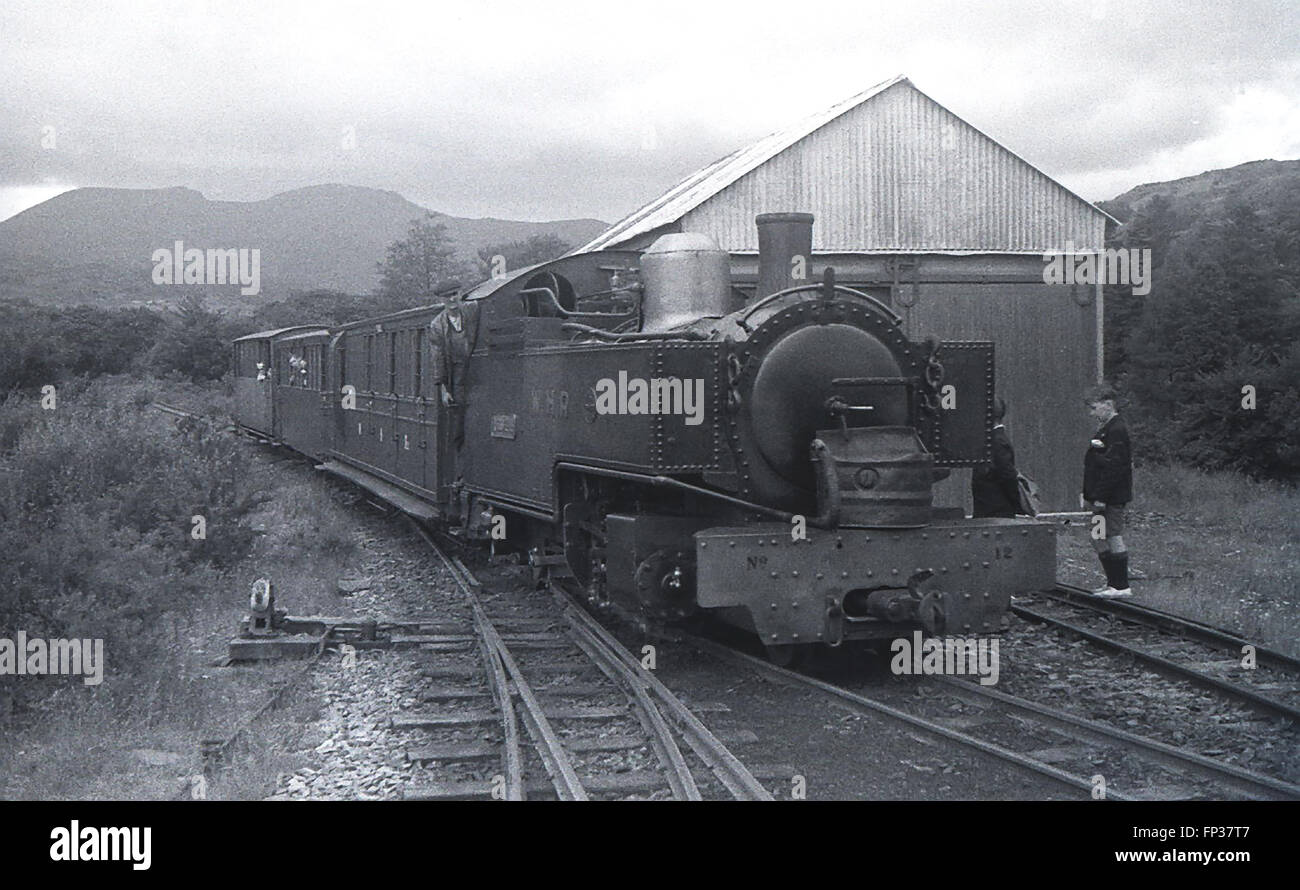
[(1107, 489)]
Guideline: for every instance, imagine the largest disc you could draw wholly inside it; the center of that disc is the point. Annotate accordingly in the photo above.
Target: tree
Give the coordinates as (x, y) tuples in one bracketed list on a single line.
[(1222, 315), (515, 255), (420, 264), (194, 342)]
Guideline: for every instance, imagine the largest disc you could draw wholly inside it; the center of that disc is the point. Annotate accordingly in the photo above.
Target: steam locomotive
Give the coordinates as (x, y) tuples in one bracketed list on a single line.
[(671, 441)]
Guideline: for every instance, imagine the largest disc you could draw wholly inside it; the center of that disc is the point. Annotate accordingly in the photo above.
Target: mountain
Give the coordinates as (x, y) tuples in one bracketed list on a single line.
[(1259, 184), (95, 245)]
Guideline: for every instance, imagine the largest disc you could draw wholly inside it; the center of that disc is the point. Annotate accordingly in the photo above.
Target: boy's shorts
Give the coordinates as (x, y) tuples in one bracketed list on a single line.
[(1114, 516)]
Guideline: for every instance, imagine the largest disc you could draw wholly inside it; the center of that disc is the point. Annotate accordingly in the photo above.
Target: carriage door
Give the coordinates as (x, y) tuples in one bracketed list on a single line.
[(427, 415), (406, 440)]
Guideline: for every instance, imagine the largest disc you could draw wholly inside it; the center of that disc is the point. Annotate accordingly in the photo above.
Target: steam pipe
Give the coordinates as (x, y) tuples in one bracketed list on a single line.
[(822, 520), (567, 313), (601, 334)]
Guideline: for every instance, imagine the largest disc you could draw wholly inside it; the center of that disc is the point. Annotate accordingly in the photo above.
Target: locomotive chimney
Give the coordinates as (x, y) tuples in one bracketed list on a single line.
[(781, 238)]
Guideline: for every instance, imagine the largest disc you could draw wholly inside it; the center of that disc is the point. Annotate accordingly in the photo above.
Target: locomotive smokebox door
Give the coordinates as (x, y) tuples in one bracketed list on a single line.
[(956, 421)]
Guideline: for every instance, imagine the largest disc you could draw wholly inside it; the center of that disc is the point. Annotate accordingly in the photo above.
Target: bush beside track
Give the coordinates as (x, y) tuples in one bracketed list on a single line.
[(96, 500)]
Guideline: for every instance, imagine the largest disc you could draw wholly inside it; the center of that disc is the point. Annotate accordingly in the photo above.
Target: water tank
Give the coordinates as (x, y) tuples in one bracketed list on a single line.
[(685, 277)]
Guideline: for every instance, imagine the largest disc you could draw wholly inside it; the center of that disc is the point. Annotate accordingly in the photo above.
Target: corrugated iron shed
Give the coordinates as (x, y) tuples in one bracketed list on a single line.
[(887, 171)]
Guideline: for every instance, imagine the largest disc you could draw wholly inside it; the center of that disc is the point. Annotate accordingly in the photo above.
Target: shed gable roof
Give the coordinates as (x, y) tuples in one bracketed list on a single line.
[(692, 196)]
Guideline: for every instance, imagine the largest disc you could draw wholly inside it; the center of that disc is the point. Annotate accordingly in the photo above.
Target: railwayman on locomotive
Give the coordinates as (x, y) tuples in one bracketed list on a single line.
[(452, 335), (1107, 488), (994, 487)]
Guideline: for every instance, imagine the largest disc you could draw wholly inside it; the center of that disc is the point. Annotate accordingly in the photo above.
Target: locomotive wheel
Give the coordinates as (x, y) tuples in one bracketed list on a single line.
[(665, 584)]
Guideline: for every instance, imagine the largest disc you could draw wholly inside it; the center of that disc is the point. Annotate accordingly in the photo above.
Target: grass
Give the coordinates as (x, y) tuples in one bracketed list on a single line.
[(95, 499), (1216, 547)]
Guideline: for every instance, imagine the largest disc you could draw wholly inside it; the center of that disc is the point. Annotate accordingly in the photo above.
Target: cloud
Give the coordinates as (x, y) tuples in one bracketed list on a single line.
[(587, 109)]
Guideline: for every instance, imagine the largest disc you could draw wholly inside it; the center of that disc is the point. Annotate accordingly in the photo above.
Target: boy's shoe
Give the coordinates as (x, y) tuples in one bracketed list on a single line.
[(1111, 592)]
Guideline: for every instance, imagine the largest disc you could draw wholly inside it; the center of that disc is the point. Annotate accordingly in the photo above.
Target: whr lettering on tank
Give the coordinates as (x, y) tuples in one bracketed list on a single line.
[(656, 395)]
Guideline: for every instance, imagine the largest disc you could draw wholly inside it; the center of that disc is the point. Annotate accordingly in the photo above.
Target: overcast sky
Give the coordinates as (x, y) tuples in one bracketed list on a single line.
[(546, 110)]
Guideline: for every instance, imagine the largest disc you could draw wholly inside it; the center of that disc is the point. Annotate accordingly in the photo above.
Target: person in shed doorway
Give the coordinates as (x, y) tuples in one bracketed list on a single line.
[(993, 485), (1108, 488)]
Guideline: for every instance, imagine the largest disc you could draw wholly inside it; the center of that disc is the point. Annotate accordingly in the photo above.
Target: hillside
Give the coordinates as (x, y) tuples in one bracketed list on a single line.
[(1209, 360), (1259, 184), (94, 245)]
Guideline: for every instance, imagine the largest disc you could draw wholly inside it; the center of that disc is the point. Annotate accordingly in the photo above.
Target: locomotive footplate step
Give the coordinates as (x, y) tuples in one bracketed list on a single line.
[(407, 503)]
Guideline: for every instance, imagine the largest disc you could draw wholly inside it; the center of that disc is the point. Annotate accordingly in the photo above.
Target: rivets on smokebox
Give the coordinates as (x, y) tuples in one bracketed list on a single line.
[(794, 574), (820, 576), (844, 574), (778, 574), (965, 565), (893, 571), (773, 607), (731, 543), (986, 565), (965, 596)]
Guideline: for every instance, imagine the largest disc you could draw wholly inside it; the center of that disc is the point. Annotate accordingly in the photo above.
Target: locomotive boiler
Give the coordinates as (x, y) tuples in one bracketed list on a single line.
[(675, 441)]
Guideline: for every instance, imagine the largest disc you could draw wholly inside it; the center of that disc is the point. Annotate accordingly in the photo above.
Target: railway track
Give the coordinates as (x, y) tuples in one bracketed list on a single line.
[(570, 710), (1077, 754), (1189, 650), (553, 731)]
